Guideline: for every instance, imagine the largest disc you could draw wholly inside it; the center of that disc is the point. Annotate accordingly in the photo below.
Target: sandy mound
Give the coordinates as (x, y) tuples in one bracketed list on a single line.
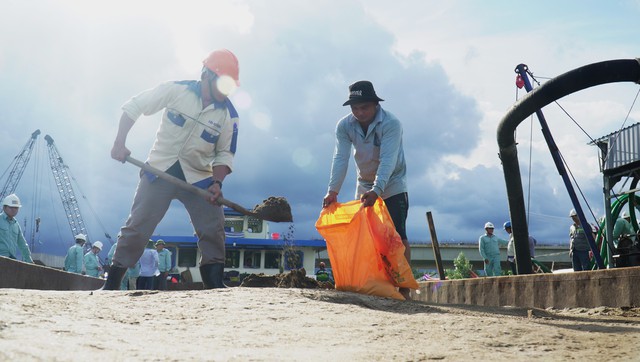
[(293, 324)]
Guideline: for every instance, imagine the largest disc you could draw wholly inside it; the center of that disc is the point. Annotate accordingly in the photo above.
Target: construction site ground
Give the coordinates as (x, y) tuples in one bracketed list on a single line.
[(297, 324)]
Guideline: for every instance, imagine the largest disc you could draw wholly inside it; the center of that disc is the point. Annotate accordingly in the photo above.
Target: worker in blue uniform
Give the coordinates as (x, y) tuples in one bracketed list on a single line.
[(11, 237), (74, 261), (489, 247), (92, 260)]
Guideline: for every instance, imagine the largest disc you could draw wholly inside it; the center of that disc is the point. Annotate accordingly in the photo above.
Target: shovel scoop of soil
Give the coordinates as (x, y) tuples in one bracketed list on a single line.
[(275, 209)]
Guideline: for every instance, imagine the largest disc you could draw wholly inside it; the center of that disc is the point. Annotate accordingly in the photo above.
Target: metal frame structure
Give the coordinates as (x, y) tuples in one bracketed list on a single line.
[(612, 71), (21, 161), (619, 158), (67, 195)]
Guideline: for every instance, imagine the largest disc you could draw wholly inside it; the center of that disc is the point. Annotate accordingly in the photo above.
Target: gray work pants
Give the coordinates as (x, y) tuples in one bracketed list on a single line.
[(150, 203)]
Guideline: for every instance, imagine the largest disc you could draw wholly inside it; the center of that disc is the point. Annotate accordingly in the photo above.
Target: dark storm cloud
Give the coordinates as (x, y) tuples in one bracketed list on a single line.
[(301, 82)]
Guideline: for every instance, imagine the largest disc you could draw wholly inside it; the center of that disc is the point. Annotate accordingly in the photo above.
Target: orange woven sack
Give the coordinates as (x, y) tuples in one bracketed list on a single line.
[(366, 252)]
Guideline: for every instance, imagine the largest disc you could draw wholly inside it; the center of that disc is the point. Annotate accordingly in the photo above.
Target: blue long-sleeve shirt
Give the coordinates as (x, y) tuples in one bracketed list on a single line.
[(12, 239), (622, 227), (489, 246), (92, 264), (379, 155), (164, 258), (74, 261)]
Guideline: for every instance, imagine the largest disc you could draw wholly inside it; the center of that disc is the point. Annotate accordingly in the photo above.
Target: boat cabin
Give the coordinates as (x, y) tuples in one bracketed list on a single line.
[(250, 249)]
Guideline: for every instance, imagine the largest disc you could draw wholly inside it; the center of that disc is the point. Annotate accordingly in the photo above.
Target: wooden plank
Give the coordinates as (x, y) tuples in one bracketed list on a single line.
[(435, 245)]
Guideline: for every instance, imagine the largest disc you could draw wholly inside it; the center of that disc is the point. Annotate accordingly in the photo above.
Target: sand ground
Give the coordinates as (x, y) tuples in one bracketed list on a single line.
[(289, 324)]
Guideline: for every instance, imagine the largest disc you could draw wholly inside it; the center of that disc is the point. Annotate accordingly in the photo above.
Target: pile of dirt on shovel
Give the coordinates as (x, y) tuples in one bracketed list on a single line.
[(296, 278), (274, 208)]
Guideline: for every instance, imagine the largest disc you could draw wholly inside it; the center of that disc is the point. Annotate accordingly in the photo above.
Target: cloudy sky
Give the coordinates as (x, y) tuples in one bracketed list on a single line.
[(445, 68)]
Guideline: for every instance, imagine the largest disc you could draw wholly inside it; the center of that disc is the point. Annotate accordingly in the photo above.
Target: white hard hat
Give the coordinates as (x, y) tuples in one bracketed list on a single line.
[(98, 245), (82, 237), (573, 213), (11, 201), (488, 226), (625, 214)]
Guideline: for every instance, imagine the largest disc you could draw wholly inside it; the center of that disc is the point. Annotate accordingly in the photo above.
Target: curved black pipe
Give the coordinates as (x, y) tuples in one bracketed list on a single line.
[(611, 71)]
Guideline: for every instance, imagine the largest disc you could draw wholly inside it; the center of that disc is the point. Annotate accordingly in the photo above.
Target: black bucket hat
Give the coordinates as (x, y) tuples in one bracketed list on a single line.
[(360, 92)]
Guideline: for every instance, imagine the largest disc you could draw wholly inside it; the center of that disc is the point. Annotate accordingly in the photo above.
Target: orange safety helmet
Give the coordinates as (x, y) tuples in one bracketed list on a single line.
[(223, 62)]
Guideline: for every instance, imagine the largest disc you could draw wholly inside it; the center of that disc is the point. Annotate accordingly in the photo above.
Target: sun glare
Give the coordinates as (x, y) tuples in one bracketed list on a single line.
[(261, 121), (241, 99), (302, 157), (226, 85)]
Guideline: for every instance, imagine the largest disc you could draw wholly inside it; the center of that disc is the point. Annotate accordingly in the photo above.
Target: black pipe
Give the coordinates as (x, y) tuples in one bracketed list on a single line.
[(557, 159), (611, 71)]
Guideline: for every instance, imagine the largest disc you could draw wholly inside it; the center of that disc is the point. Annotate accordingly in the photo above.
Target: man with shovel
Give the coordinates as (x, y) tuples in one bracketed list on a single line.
[(376, 136), (195, 142)]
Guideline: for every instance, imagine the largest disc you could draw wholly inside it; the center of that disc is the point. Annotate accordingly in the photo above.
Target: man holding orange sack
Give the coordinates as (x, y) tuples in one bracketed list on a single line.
[(376, 136)]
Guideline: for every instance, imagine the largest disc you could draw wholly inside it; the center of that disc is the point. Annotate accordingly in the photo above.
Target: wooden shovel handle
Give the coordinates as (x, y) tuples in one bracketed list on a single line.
[(187, 186)]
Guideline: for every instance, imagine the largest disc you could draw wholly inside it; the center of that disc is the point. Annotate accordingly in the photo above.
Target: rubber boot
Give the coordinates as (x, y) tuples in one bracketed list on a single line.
[(116, 273), (212, 275)]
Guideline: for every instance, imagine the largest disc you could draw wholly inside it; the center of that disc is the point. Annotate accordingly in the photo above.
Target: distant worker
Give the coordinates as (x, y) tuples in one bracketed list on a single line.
[(489, 247), (74, 261), (92, 260), (112, 251), (164, 266), (375, 135), (322, 275), (131, 277), (623, 233), (11, 237), (511, 248), (579, 249), (196, 142), (148, 267), (532, 246)]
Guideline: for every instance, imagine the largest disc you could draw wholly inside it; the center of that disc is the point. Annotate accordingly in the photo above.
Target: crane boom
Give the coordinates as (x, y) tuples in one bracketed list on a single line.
[(21, 161), (67, 195)]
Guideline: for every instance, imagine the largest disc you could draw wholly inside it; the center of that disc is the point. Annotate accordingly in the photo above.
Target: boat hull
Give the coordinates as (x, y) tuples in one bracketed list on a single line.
[(20, 275)]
